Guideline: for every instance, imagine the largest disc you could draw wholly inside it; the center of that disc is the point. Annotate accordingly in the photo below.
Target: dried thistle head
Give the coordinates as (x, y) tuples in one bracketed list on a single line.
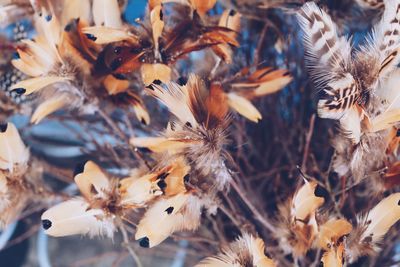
[(106, 202), (45, 60), (198, 134), (247, 250), (62, 61)]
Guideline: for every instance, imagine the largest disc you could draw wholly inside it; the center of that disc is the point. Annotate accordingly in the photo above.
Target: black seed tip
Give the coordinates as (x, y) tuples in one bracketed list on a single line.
[(3, 127), (46, 224), (115, 64), (117, 50), (144, 242), (48, 17), (135, 50), (163, 175), (19, 91), (398, 133), (150, 87), (91, 37), (161, 15), (119, 76), (68, 27), (188, 124), (320, 192), (186, 178), (170, 210), (143, 121), (144, 150), (16, 55), (398, 203), (79, 168), (368, 239), (232, 12), (196, 16), (162, 184), (158, 82), (182, 81)]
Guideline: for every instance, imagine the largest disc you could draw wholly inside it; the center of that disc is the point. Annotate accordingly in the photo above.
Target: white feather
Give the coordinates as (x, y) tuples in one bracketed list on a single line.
[(350, 124), (382, 217), (107, 13), (74, 217), (12, 149)]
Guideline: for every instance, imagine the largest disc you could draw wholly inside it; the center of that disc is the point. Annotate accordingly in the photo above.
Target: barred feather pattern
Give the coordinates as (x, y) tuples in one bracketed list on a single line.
[(380, 56), (387, 32), (341, 95), (372, 4), (323, 44), (329, 60)]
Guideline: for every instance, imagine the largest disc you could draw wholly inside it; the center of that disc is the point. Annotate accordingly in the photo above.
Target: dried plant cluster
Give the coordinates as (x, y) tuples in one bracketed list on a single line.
[(198, 122)]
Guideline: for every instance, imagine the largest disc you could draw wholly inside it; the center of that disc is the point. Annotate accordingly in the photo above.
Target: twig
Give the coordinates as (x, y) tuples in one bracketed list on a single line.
[(252, 208), (128, 247), (308, 140)]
